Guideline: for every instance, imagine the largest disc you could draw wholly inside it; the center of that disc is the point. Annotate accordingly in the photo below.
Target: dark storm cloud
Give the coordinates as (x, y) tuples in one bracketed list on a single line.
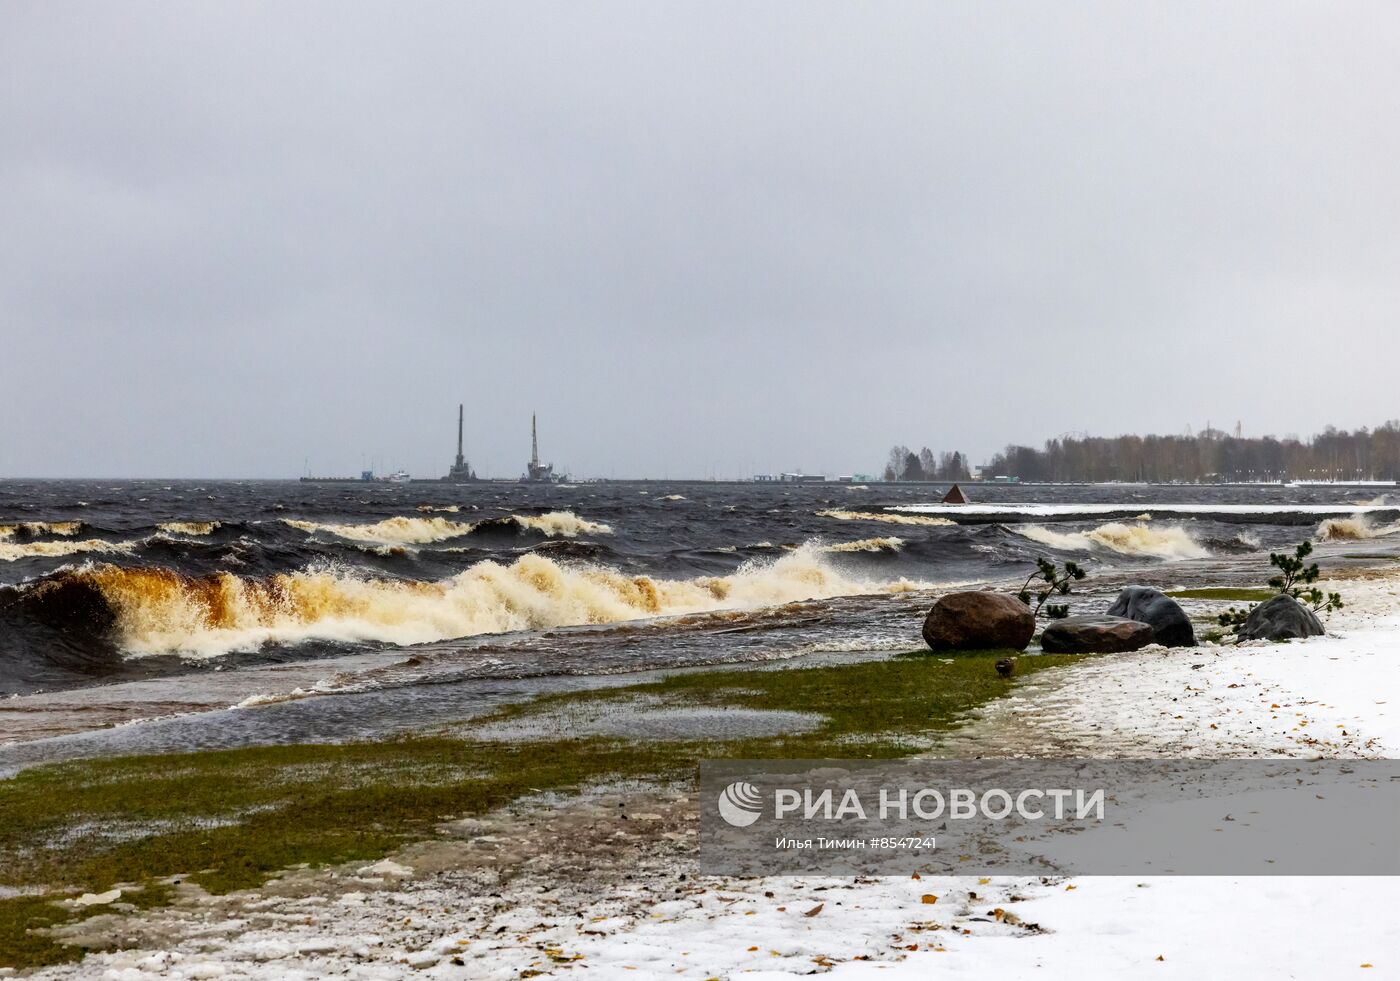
[(695, 237)]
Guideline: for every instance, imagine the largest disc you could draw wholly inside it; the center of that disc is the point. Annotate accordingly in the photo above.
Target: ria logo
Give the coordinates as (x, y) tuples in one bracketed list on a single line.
[(740, 804)]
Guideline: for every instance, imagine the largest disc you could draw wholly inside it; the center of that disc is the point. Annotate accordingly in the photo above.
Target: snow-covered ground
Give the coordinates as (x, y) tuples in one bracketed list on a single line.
[(604, 887)]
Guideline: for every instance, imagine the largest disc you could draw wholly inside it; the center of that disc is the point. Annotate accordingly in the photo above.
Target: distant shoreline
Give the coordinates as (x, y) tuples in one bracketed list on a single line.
[(720, 482)]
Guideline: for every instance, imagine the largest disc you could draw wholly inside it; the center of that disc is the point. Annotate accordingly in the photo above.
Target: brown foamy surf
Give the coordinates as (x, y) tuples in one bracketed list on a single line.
[(157, 611), (1352, 529), (425, 531), (66, 528)]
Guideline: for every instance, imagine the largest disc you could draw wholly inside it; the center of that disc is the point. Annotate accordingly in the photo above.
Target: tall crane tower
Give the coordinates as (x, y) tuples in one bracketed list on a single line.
[(459, 472)]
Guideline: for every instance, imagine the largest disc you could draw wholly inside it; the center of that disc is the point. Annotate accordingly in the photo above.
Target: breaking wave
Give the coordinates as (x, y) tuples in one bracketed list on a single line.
[(562, 523), (1352, 529), (67, 528), (196, 528), (889, 518), (159, 611), (15, 551), (890, 544), (390, 531), (425, 531), (1162, 541)]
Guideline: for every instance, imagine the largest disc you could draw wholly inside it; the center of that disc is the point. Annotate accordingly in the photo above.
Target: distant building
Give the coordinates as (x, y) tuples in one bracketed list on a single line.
[(802, 478)]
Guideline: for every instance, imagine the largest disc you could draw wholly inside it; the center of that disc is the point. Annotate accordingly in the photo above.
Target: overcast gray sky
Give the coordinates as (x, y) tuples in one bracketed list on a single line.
[(695, 237)]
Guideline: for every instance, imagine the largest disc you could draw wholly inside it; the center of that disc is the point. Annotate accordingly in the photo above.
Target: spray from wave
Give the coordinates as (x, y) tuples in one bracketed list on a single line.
[(195, 528), (159, 611), (1162, 541), (889, 518)]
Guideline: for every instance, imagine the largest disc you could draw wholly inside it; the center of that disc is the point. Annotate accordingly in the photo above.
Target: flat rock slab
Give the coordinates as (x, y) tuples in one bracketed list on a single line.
[(648, 718), (1095, 634)]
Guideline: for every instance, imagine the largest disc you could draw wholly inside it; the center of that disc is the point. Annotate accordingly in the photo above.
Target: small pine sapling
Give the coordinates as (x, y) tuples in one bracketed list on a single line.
[(1052, 582)]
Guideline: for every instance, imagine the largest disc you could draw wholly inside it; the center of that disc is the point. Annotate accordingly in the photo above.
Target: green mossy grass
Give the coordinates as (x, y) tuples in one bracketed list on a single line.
[(231, 819), (1225, 594)]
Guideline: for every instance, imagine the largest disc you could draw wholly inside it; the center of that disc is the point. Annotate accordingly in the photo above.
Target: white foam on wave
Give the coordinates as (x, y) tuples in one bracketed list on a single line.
[(563, 524), (15, 551), (390, 531), (402, 530), (889, 544), (841, 514), (1160, 541)]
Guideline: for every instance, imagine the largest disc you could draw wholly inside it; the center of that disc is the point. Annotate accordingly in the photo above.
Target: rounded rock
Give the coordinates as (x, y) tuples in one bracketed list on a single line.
[(978, 621)]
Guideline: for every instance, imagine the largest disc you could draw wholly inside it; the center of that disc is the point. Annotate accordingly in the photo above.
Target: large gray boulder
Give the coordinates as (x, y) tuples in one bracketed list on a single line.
[(1095, 634), (1281, 618), (978, 621), (1171, 627)]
